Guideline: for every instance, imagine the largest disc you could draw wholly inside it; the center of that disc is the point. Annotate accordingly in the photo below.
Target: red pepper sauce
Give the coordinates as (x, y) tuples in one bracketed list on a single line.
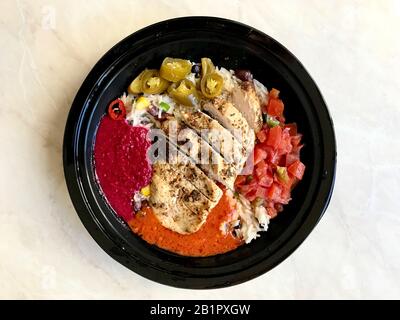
[(208, 241)]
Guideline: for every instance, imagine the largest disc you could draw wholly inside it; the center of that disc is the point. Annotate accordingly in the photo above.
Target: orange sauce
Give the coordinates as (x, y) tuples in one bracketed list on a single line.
[(207, 241)]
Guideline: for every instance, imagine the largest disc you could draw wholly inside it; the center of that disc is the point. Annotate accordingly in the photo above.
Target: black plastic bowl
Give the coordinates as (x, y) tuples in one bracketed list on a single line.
[(232, 45)]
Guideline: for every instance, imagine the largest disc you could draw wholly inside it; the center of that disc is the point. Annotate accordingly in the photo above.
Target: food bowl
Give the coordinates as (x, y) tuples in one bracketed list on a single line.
[(231, 45)]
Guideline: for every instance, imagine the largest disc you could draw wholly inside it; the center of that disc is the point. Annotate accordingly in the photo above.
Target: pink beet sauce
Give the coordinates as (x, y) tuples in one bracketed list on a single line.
[(122, 167)]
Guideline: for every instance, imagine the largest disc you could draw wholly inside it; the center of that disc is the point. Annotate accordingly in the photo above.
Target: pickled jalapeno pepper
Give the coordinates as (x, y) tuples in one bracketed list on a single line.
[(152, 83), (211, 85), (136, 85), (207, 67), (184, 92), (175, 69)]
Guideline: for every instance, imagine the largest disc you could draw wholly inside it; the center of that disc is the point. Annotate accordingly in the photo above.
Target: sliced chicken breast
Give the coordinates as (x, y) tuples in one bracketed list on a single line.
[(261, 91), (233, 120), (195, 175), (214, 133), (245, 99), (210, 161), (203, 183), (167, 208), (185, 138), (177, 204)]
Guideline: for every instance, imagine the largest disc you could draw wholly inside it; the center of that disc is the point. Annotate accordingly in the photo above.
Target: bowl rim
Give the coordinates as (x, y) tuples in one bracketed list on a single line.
[(85, 212)]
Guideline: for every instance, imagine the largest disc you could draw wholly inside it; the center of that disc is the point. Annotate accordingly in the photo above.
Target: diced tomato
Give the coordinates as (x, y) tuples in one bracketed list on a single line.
[(262, 165), (275, 159), (274, 93), (292, 128), (285, 145), (259, 154), (261, 192), (262, 135), (285, 196), (251, 195), (240, 180), (275, 107), (274, 137), (268, 149), (296, 150), (272, 154), (297, 169), (290, 158), (277, 148), (265, 180), (242, 188), (272, 212), (260, 169), (252, 185), (295, 140), (274, 192)]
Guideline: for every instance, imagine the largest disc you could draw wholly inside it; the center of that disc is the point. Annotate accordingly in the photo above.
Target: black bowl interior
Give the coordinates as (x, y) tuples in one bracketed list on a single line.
[(231, 45)]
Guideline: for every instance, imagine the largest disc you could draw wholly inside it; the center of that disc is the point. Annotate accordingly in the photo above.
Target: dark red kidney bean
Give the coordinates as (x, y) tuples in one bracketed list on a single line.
[(153, 111), (137, 205), (244, 75), (196, 69)]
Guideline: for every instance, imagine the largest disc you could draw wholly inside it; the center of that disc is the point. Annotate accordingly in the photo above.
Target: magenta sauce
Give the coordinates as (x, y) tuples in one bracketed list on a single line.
[(122, 167)]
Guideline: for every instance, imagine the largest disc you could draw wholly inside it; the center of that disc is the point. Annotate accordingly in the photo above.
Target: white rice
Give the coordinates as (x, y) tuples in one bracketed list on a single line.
[(230, 81), (252, 221)]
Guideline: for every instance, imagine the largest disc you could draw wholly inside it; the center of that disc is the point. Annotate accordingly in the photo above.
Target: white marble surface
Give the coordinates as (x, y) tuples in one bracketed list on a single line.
[(351, 48)]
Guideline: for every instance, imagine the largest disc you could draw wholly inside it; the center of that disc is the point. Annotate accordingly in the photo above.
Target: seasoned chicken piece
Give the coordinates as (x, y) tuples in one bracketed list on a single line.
[(194, 175), (203, 183), (168, 152), (215, 134), (262, 92), (210, 161), (245, 99), (180, 135), (232, 119), (168, 209), (177, 204)]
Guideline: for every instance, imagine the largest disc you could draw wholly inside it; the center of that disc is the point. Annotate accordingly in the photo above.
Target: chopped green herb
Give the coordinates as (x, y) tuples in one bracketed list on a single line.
[(271, 122), (165, 106), (249, 178), (282, 174)]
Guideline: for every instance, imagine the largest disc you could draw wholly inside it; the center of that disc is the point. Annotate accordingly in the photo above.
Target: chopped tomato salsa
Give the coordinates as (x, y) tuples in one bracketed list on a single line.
[(277, 165)]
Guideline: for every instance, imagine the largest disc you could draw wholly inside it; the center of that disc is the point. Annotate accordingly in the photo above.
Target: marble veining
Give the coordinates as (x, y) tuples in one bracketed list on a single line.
[(350, 48)]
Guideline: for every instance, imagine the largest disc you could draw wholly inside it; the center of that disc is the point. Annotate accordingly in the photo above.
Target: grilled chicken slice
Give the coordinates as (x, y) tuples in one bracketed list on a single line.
[(261, 91), (232, 119), (210, 161), (185, 138), (187, 165), (194, 175), (177, 204), (245, 99), (203, 183), (215, 134)]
